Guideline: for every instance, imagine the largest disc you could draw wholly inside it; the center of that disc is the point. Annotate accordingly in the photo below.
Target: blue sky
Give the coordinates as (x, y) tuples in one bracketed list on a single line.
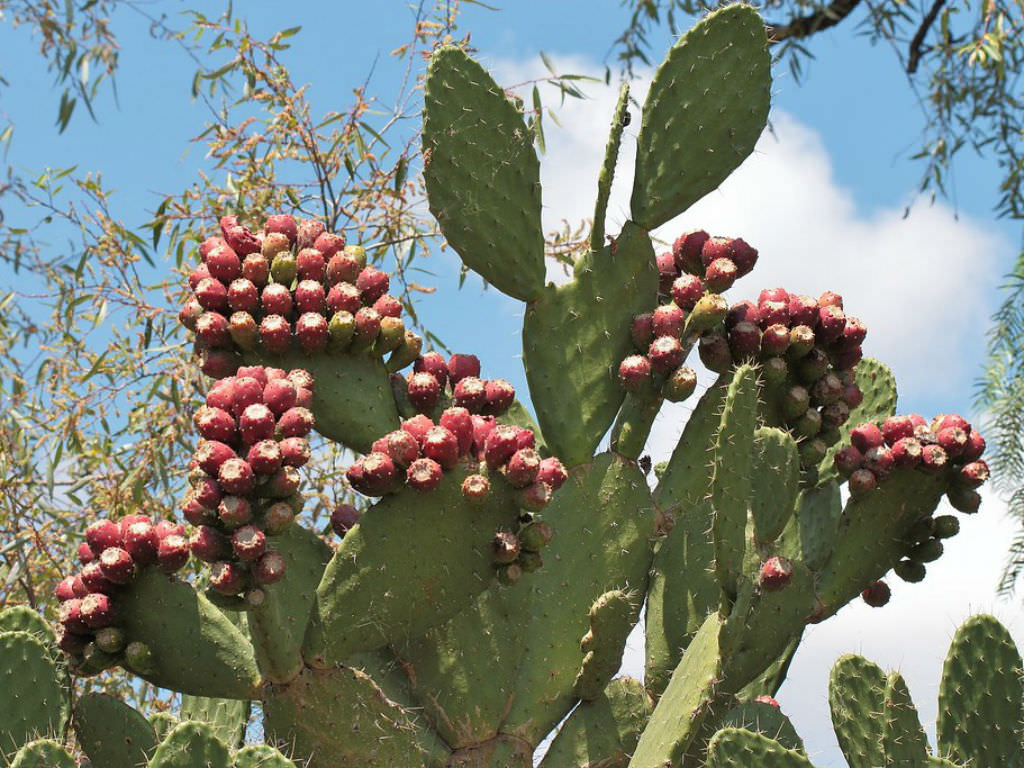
[(823, 201)]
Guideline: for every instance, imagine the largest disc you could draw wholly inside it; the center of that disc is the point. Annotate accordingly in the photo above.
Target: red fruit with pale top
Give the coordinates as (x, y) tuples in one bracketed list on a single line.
[(897, 427), (776, 573), (190, 313), (310, 265), (953, 441), (642, 330), (276, 299), (295, 422), (476, 488), (307, 232), (744, 311), (343, 268), (418, 426), (666, 354), (243, 296), (686, 291), (279, 395), (772, 295), (442, 446), (668, 320), (686, 251), (880, 461), (256, 269), (295, 451), (716, 248), (117, 565), (209, 244), (265, 457), (470, 393), (499, 396), (933, 459), (744, 256), (70, 616), (552, 472), (424, 474), (906, 452), (482, 428), (65, 589), (93, 580), (103, 534), (373, 474), (98, 610), (270, 568), (866, 436), (256, 423), (247, 391), (85, 554), (241, 240), (500, 445), (459, 422), (284, 224), (141, 542), (831, 323), (773, 312), (329, 244), (803, 310), (525, 439), (830, 299), (667, 271), (344, 297), (432, 363), (224, 264), (236, 477), (165, 528), (211, 455), (212, 329), (312, 332), (461, 366), (206, 492), (234, 511), (523, 468), (947, 420), (309, 297), (720, 275), (848, 460), (975, 446), (635, 373), (372, 284), (226, 578), (248, 543), (423, 391), (745, 341), (388, 306)]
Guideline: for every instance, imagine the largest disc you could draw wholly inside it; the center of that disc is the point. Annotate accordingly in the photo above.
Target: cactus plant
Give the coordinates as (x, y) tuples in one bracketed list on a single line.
[(484, 590)]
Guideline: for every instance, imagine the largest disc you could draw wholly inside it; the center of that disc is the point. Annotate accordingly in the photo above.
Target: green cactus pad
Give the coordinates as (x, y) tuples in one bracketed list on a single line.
[(811, 532), (21, 618), (228, 717), (163, 723), (603, 731), (43, 754), (467, 699), (706, 108), (196, 648), (261, 756), (111, 733), (482, 174), (352, 399), (604, 521), (278, 624), (680, 713), (34, 703), (762, 718), (604, 179), (611, 619), (774, 482), (903, 737), (191, 745), (576, 334), (407, 566), (731, 477), (856, 697), (878, 386), (739, 748), (980, 703), (341, 717), (871, 532)]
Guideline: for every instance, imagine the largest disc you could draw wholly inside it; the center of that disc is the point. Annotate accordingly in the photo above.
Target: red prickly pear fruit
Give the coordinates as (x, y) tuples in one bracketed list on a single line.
[(523, 468), (247, 391), (343, 518), (141, 542), (847, 359), (209, 244), (830, 299), (65, 589), (165, 528), (918, 421), (794, 402), (275, 333), (295, 451), (963, 499), (310, 265), (70, 616), (635, 373), (117, 565), (686, 251), (744, 341), (329, 244), (505, 547), (190, 313), (270, 568), (525, 439), (309, 297), (102, 534), (501, 443), (666, 354), (312, 332), (463, 366), (234, 511), (772, 295), (774, 313), (207, 492), (862, 482), (94, 581), (831, 323), (194, 512), (880, 461), (367, 327), (744, 256), (128, 520), (295, 422), (373, 475), (372, 284), (301, 378), (256, 423), (212, 329), (388, 306), (344, 297), (256, 269), (278, 518), (343, 268), (207, 544), (226, 223), (876, 594), (482, 428), (720, 275), (279, 395), (434, 364), (852, 395), (282, 223), (667, 272), (283, 483), (224, 264), (975, 447), (222, 395), (243, 295), (440, 445), (668, 320), (470, 393), (241, 239), (535, 496), (774, 340), (953, 441), (848, 460), (418, 426), (974, 474), (227, 578), (907, 452), (854, 333), (307, 232), (803, 310), (423, 391), (641, 330), (236, 477), (499, 396), (680, 384), (424, 474), (402, 447), (934, 459), (866, 437), (459, 422), (776, 573), (476, 488), (744, 311), (552, 473), (716, 248), (768, 700), (714, 352), (98, 610), (172, 553), (249, 543), (896, 428), (827, 390), (687, 291)]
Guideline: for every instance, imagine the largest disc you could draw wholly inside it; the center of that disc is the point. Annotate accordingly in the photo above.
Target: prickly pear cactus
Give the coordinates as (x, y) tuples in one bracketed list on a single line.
[(482, 591)]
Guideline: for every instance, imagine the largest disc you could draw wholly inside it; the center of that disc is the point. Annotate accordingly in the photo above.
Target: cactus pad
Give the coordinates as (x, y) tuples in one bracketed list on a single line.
[(227, 717), (111, 733), (261, 756), (33, 703), (43, 754), (766, 720), (21, 618), (856, 689), (903, 738), (191, 745), (738, 748), (776, 474), (611, 619)]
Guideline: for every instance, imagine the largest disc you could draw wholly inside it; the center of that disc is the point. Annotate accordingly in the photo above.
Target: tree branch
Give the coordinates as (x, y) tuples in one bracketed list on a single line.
[(805, 26), (914, 53)]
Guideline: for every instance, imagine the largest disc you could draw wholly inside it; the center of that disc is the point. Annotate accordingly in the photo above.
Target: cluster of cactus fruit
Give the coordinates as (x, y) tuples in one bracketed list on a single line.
[(414, 639)]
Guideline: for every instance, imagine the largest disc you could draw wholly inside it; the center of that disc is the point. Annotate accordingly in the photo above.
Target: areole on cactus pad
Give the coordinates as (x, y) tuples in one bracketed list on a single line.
[(479, 588)]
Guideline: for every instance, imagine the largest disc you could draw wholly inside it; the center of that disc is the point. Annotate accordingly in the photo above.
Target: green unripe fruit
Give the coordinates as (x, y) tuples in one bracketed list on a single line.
[(927, 551), (680, 384), (358, 253), (921, 531), (910, 571), (535, 536), (97, 658), (812, 452), (340, 330), (530, 561), (813, 366), (709, 312), (946, 527), (509, 574), (774, 370), (139, 658), (809, 424), (794, 402), (111, 639), (284, 268)]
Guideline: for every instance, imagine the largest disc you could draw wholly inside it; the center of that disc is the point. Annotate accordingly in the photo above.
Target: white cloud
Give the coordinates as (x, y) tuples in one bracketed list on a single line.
[(921, 284)]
